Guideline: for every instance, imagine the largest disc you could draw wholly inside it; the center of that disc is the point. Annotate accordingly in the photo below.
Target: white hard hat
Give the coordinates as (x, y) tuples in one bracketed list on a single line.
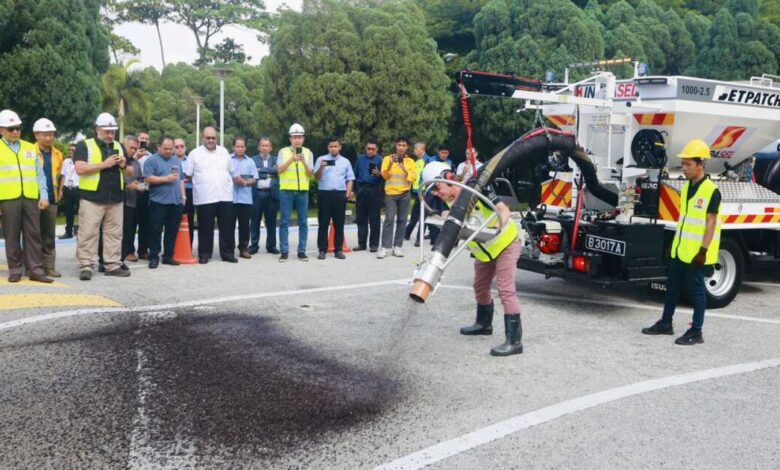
[(9, 118), (434, 170), (296, 129), (43, 125), (106, 122)]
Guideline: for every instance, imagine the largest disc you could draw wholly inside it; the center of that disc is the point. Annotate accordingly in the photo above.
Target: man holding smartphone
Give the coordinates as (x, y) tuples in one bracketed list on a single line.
[(164, 175), (142, 215), (100, 164), (295, 169), (400, 173), (335, 177), (370, 191)]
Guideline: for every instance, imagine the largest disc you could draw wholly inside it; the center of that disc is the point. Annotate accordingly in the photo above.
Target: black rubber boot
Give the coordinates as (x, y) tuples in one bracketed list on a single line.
[(484, 323), (514, 333)]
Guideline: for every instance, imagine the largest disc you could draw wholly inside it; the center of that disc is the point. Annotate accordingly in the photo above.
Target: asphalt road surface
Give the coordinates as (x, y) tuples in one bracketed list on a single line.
[(326, 364)]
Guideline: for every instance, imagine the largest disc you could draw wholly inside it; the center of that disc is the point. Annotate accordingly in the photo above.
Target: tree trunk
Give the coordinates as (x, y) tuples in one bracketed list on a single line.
[(121, 119), (159, 37)]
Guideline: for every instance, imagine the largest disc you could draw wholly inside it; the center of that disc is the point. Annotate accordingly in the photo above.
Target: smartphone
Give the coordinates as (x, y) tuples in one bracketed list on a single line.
[(371, 168), (174, 170), (330, 162)]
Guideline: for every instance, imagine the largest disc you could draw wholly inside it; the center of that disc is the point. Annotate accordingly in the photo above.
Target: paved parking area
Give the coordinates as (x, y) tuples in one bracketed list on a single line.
[(326, 364)]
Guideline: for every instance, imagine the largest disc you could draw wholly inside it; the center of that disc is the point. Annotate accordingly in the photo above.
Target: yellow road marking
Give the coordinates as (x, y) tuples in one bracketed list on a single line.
[(27, 282), (19, 301)]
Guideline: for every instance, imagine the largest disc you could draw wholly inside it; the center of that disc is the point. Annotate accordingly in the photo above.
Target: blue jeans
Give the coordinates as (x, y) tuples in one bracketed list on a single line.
[(288, 200), (677, 274), (264, 206)]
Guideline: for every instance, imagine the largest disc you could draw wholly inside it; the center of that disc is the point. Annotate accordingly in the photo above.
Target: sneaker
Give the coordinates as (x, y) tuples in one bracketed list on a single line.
[(119, 273), (302, 256), (283, 258), (691, 337), (397, 252), (382, 253), (321, 255), (85, 275), (659, 328)]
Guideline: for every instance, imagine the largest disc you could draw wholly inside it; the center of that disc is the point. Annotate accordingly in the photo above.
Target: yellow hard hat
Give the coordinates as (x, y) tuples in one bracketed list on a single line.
[(696, 149)]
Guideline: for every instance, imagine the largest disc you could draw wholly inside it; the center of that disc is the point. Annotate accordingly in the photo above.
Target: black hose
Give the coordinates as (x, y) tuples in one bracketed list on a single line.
[(537, 143), (591, 178), (771, 178)]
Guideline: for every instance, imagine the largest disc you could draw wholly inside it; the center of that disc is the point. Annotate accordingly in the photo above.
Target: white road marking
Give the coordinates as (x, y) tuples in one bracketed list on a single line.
[(612, 303), (765, 284), (142, 454), (452, 447), (192, 303)]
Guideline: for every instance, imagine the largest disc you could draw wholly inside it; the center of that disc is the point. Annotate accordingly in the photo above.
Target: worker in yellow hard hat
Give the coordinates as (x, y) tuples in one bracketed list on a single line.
[(696, 243)]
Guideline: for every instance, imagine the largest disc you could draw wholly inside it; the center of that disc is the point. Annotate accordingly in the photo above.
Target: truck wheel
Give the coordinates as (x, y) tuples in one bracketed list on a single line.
[(727, 275)]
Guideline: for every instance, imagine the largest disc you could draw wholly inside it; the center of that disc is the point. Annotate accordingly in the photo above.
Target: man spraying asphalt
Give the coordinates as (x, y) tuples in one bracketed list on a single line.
[(495, 258)]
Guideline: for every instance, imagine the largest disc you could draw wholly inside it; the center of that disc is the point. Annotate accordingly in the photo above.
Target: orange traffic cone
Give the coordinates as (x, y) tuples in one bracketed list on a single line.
[(183, 251), (332, 242)]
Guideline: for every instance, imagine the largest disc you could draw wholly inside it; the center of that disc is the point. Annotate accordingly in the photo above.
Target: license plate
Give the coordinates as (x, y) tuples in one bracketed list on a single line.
[(606, 245)]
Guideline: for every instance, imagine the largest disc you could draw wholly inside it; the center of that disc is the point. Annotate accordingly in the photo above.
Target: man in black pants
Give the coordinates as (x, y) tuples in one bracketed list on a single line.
[(335, 179), (212, 190), (69, 194), (370, 192), (166, 201), (244, 173)]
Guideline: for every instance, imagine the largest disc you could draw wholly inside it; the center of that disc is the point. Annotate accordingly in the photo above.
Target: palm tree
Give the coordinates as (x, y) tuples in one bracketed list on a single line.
[(122, 93)]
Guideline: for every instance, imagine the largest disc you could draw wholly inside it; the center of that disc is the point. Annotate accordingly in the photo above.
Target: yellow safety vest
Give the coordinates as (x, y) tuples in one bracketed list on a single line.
[(490, 250), (294, 178), (692, 225), (398, 182), (17, 172), (94, 157), (420, 164)]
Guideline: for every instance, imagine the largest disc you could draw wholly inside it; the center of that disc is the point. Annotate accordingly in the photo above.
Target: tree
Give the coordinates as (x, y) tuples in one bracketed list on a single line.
[(144, 11), (735, 49), (526, 38), (226, 52), (340, 68), (122, 94), (52, 53), (205, 18)]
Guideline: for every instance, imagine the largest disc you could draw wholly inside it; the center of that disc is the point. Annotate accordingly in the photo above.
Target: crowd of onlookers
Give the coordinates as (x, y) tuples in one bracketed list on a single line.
[(123, 193)]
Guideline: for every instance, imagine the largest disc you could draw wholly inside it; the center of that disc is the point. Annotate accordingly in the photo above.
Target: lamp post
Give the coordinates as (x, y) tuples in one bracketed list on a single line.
[(221, 71), (198, 102)]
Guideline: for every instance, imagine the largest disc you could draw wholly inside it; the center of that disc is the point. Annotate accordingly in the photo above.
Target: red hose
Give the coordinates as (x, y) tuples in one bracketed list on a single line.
[(580, 197), (470, 151)]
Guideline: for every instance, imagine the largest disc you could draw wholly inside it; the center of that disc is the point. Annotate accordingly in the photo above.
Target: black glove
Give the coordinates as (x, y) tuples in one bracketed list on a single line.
[(700, 258)]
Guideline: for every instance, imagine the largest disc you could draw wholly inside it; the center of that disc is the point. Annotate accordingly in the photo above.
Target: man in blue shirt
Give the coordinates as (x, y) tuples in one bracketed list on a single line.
[(265, 198), (335, 179), (444, 155), (370, 192), (244, 173), (163, 172)]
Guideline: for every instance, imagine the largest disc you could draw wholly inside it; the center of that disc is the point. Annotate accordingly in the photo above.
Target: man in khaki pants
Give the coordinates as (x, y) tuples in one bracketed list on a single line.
[(100, 162)]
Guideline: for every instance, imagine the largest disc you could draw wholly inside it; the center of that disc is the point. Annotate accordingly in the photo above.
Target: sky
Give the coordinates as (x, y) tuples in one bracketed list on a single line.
[(179, 41)]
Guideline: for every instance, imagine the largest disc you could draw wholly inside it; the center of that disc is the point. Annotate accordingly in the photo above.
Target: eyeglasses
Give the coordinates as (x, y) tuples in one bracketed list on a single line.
[(14, 129)]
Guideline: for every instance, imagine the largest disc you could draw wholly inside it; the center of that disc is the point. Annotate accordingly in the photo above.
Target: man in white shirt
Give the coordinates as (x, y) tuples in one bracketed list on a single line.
[(465, 170), (212, 190), (69, 195)]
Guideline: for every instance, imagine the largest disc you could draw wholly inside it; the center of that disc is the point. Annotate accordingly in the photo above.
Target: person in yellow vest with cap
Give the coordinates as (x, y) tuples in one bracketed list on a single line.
[(51, 159), (695, 246), (100, 164), (23, 195), (295, 164), (495, 258)]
